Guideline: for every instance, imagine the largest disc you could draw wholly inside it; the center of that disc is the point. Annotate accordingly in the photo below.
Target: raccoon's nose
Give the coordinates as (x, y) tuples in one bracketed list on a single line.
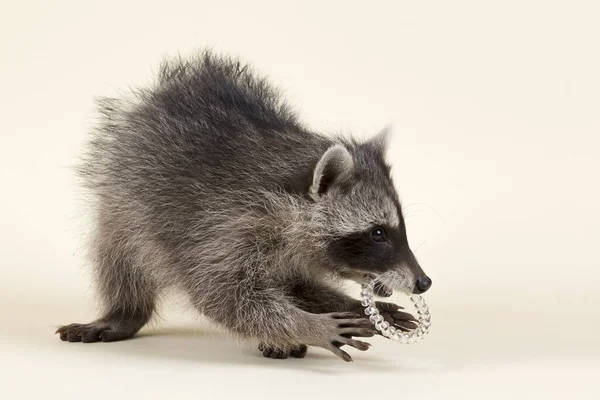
[(423, 284)]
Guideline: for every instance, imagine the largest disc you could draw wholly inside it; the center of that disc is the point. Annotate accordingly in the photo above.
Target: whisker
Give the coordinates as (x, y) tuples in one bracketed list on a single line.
[(426, 205), (419, 246)]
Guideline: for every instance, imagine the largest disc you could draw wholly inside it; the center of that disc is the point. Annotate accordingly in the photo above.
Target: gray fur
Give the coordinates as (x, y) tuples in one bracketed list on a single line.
[(207, 181)]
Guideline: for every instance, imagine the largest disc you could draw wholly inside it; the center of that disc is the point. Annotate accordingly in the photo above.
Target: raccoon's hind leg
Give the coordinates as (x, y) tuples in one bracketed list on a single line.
[(127, 293)]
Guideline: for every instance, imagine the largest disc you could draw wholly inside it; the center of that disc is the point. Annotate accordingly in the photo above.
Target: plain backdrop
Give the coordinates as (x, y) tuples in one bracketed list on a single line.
[(496, 114)]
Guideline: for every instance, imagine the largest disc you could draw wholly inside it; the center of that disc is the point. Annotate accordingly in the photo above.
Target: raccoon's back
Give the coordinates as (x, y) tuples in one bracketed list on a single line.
[(209, 126)]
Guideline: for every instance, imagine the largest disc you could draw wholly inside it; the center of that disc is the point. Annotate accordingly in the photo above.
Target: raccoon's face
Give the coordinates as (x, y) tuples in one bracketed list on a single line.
[(367, 235)]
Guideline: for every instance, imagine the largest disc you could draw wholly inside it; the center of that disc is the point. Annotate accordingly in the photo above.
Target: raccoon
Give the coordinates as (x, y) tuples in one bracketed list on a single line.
[(206, 181)]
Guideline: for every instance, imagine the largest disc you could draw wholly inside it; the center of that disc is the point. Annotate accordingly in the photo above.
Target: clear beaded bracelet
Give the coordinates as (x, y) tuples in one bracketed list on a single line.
[(384, 327)]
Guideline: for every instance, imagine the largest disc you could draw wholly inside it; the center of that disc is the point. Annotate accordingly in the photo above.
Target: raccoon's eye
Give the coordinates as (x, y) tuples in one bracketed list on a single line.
[(378, 235)]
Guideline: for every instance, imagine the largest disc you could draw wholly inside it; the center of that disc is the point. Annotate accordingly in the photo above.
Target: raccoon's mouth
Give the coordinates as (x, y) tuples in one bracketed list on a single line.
[(385, 284), (379, 289), (389, 282)]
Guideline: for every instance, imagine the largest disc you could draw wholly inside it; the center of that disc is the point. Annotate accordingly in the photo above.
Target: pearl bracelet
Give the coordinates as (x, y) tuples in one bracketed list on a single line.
[(384, 327)]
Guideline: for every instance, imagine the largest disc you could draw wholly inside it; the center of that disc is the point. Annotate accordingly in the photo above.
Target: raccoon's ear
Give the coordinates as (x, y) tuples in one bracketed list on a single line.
[(335, 166), (382, 139)]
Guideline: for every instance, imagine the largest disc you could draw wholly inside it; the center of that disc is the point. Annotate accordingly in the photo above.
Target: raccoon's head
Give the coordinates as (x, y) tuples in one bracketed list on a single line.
[(366, 234)]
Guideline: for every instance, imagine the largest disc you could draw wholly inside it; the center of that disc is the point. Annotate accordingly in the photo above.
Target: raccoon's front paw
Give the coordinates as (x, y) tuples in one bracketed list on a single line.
[(398, 319), (281, 352), (390, 313), (337, 329)]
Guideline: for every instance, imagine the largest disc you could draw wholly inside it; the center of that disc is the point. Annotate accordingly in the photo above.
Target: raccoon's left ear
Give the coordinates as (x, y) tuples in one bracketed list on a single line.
[(382, 139), (335, 166)]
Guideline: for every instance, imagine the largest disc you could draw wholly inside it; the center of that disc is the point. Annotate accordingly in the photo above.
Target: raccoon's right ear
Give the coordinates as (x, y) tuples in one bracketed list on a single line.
[(381, 141), (335, 166)]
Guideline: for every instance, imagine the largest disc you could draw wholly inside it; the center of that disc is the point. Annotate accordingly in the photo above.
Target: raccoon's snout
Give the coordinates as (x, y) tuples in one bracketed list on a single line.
[(423, 284)]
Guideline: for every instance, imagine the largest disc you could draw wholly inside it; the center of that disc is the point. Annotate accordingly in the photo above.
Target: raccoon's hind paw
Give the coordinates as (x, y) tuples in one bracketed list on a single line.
[(271, 351), (104, 331)]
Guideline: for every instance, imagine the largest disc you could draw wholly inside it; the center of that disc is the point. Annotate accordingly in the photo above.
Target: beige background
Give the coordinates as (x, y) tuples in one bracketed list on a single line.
[(495, 107)]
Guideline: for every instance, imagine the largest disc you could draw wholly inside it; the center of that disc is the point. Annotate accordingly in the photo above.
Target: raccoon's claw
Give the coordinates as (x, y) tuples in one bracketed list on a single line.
[(277, 352)]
